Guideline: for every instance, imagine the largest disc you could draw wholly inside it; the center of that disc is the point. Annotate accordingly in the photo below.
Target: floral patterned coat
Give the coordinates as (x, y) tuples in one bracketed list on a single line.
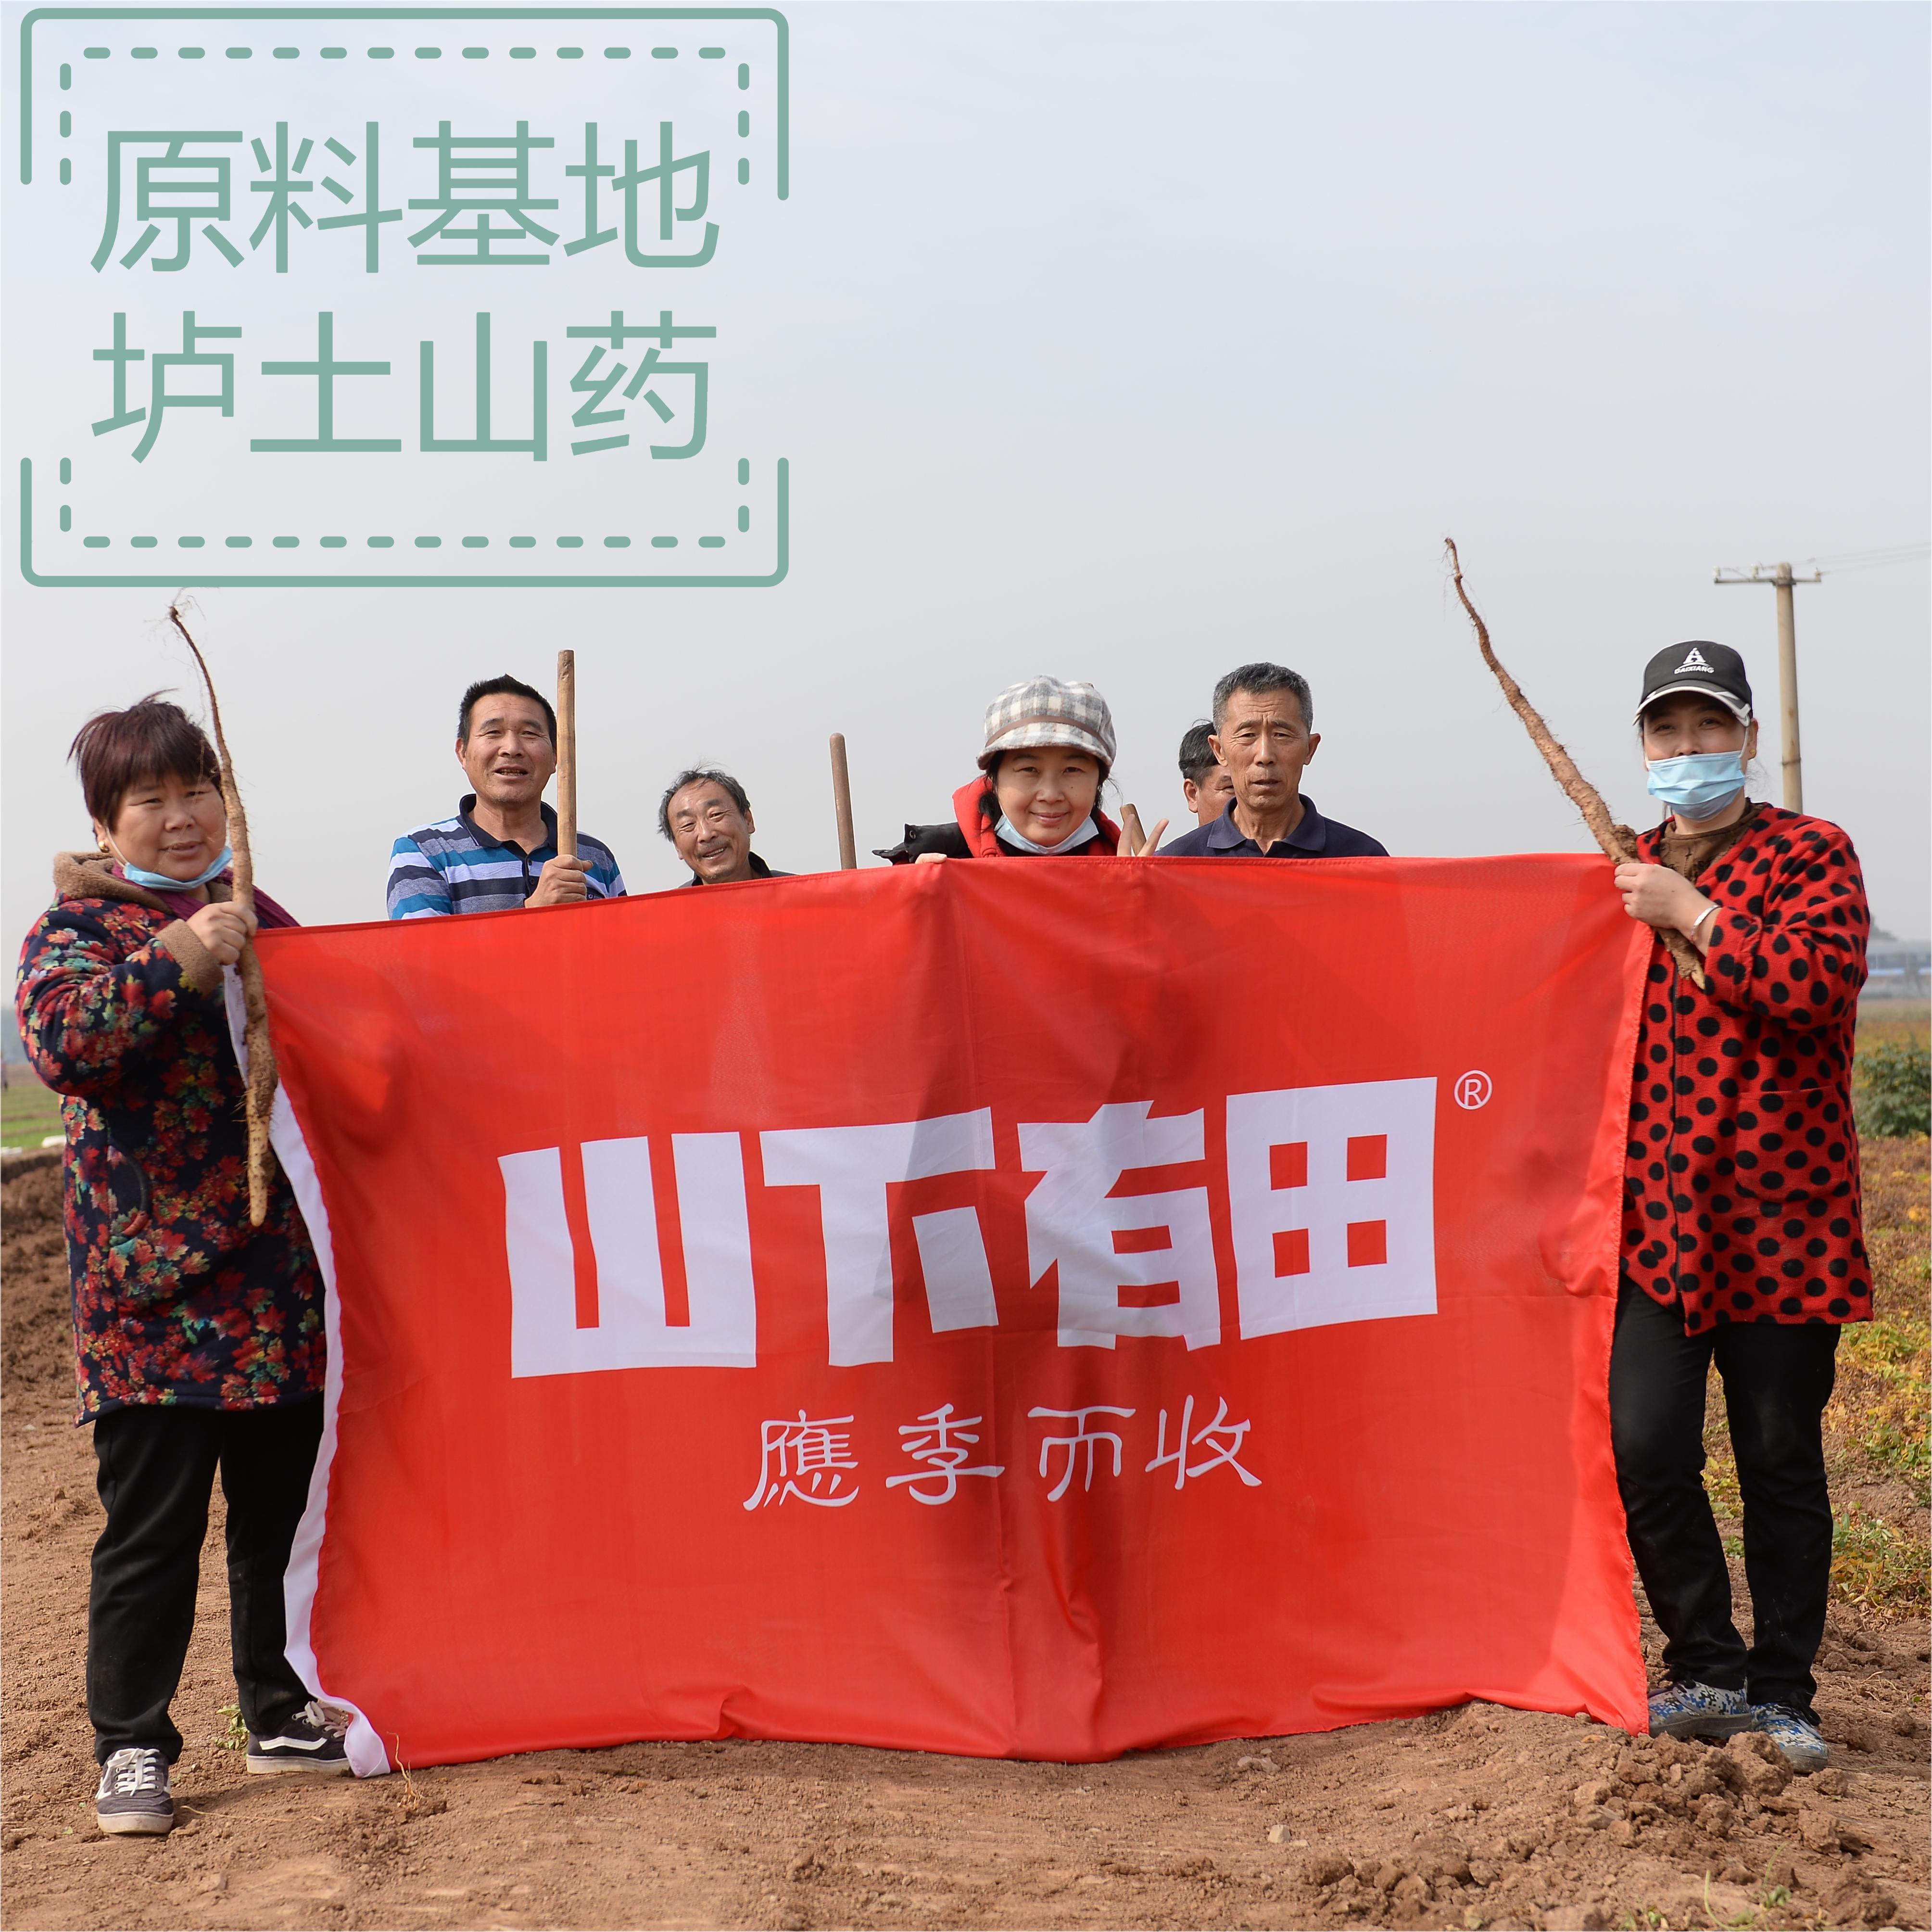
[(1741, 1186), (176, 1298)]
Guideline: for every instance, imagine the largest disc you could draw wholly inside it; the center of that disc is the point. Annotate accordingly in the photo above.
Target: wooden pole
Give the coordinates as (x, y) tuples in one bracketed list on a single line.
[(1619, 842), (841, 804), (1787, 688), (566, 754), (1783, 577), (262, 1078)]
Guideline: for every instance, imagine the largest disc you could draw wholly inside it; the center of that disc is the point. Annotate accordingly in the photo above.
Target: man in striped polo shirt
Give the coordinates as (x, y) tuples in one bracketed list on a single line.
[(499, 853)]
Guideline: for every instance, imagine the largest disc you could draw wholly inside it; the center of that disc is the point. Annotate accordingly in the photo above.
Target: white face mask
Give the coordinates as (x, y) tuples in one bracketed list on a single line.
[(1086, 830), (1699, 784), (160, 881)]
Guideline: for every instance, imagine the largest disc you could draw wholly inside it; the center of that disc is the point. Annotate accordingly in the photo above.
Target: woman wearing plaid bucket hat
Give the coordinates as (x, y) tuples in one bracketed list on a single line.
[(1049, 746)]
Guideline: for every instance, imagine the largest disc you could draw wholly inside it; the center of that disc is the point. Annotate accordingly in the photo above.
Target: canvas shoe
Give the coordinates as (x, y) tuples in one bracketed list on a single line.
[(308, 1742), (1698, 1711), (1796, 1736), (133, 1796)]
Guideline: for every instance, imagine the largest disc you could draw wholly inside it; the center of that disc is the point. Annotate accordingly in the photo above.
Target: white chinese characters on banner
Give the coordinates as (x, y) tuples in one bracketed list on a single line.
[(852, 1167), (1329, 1203), (811, 1460), (1101, 1245), (629, 1328), (1220, 1439), (1085, 1434), (944, 1443), (1331, 1192), (806, 1461)]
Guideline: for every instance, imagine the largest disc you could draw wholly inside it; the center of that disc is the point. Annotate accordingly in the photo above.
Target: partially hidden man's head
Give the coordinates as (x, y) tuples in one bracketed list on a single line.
[(506, 742), (153, 788), (1205, 780), (707, 817), (1264, 734)]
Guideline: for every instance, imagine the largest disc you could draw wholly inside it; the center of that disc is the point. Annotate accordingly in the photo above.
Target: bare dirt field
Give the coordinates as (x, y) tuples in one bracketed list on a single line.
[(1475, 1817)]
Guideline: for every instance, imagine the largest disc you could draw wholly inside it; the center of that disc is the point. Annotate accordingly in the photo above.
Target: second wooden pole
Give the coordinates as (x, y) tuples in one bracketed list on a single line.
[(841, 804), (566, 754)]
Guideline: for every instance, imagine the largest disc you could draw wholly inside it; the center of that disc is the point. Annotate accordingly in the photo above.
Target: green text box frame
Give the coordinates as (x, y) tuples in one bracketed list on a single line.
[(304, 582), (777, 20)]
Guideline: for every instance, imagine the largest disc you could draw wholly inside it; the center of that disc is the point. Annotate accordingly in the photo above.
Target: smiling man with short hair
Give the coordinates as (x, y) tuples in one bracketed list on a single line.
[(499, 853), (1263, 734), (707, 817)]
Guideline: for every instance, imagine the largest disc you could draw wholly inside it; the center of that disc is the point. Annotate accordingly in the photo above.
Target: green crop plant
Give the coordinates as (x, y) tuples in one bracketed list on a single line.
[(1892, 1090)]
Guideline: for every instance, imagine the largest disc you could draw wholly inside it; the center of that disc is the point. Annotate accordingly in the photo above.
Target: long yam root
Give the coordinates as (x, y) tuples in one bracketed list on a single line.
[(262, 1077), (1619, 842)]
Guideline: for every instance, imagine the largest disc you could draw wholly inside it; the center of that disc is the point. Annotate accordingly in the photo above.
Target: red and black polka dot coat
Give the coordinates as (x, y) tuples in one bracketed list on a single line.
[(1741, 1188)]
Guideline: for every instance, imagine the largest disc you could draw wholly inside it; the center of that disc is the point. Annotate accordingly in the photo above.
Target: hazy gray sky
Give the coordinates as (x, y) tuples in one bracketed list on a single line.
[(1130, 343)]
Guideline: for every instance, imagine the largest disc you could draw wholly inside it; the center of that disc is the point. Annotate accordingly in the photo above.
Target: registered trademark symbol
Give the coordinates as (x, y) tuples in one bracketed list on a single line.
[(1473, 1089)]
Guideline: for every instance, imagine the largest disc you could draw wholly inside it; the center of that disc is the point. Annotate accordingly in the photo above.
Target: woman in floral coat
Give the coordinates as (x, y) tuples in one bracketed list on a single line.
[(1742, 1243), (198, 1338)]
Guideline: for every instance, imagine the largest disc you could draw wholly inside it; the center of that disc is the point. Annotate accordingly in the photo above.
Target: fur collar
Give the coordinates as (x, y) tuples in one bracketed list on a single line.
[(90, 875)]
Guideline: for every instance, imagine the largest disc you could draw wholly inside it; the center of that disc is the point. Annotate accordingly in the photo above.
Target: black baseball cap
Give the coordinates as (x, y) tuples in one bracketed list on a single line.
[(1714, 669)]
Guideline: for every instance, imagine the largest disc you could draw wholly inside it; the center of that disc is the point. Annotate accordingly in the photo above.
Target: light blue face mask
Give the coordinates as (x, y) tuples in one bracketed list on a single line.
[(1006, 830), (160, 881), (1699, 784)]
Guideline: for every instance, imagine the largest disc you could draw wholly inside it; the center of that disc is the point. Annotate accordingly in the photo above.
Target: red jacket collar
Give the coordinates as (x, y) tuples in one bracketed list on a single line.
[(978, 828)]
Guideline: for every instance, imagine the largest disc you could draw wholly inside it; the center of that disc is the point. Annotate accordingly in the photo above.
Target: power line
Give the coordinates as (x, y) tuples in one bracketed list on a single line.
[(1848, 560), (1764, 573), (1873, 559)]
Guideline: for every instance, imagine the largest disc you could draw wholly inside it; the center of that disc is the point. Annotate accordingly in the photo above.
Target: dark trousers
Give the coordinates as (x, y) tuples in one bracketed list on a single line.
[(156, 1465), (1778, 1379)]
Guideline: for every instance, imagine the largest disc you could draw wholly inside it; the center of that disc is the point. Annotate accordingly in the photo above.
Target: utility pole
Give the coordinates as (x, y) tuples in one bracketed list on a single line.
[(1779, 576)]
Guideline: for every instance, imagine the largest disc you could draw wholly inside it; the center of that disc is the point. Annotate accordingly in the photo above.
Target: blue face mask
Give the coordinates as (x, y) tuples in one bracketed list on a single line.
[(1700, 784), (160, 881)]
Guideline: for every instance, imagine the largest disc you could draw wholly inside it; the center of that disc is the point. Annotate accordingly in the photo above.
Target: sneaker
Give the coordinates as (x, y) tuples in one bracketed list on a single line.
[(1698, 1711), (308, 1742), (133, 1794), (1795, 1734)]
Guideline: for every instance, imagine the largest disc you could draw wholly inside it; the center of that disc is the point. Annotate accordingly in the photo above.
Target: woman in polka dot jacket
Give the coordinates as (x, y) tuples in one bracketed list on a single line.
[(1741, 1239)]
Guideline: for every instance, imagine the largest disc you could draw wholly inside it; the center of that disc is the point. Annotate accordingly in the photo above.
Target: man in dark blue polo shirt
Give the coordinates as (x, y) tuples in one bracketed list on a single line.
[(1263, 734)]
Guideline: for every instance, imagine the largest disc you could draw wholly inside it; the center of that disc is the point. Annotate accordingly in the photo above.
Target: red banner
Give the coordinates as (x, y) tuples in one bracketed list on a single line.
[(1032, 1310)]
